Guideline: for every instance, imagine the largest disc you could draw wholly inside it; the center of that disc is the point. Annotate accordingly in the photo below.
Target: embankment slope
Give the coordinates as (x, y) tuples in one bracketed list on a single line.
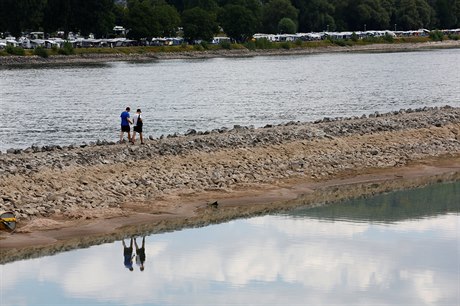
[(66, 196)]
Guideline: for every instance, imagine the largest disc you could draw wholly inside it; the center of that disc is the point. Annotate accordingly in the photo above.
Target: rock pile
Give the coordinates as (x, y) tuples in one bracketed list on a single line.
[(42, 181)]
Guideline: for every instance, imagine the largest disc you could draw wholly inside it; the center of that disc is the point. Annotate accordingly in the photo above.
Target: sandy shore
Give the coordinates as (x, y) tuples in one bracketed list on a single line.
[(101, 58), (67, 198), (48, 236)]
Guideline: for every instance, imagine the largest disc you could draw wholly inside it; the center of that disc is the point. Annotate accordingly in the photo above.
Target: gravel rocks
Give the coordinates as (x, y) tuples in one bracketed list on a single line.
[(41, 181)]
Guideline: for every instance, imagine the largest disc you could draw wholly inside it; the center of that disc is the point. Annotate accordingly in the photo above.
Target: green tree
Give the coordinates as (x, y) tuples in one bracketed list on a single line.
[(199, 24), (315, 15), (413, 14), (456, 8), (274, 11), (340, 14), (207, 5), (447, 13), (58, 14), (140, 19), (287, 26), (255, 6), (89, 16), (20, 15), (371, 13), (238, 22), (120, 13), (167, 18), (178, 4), (93, 16)]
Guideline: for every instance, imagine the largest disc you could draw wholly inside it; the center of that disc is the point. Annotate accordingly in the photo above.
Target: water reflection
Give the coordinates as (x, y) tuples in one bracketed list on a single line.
[(129, 256), (140, 254), (410, 204), (286, 259)]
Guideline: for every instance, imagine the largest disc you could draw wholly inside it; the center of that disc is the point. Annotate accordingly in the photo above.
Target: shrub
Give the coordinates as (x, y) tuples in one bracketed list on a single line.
[(286, 45), (372, 39), (354, 37), (298, 42), (388, 38), (250, 45), (67, 49), (225, 44), (454, 36), (15, 50), (340, 42), (198, 47), (263, 43), (204, 44), (40, 51), (436, 35)]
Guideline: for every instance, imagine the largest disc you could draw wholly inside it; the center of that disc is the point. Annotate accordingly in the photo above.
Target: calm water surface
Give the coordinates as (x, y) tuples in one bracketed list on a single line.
[(76, 104), (401, 248)]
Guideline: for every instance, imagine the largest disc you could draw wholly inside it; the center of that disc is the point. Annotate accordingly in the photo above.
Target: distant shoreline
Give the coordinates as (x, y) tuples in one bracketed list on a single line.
[(94, 58)]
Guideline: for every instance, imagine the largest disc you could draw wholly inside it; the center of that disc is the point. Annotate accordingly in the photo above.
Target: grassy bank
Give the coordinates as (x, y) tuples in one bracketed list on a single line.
[(261, 44)]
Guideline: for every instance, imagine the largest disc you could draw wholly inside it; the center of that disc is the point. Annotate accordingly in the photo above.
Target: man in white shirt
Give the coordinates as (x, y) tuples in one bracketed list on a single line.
[(138, 123)]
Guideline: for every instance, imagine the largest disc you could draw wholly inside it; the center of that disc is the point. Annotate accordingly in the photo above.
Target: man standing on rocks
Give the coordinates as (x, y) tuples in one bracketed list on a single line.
[(137, 122), (125, 124)]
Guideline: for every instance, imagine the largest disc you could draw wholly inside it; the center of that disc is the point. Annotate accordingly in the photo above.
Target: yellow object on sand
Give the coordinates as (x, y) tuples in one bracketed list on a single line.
[(7, 221)]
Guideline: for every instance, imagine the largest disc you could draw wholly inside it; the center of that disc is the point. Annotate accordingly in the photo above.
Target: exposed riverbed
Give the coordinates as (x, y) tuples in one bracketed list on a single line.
[(174, 178)]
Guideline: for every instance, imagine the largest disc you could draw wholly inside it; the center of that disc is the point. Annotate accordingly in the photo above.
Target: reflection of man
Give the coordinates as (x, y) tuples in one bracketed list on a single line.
[(128, 254), (140, 254)]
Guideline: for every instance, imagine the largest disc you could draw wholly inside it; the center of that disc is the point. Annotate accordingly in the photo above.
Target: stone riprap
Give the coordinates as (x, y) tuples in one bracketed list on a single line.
[(63, 181)]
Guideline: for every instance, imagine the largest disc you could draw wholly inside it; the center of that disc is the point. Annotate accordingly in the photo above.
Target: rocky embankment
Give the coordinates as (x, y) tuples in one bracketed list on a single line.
[(65, 182)]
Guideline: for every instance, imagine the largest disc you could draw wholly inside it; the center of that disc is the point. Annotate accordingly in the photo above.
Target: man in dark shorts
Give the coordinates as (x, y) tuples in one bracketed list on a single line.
[(140, 254), (138, 123), (128, 255), (125, 124)]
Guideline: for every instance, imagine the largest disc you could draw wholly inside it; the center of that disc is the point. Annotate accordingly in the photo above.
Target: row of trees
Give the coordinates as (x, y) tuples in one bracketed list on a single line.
[(200, 19)]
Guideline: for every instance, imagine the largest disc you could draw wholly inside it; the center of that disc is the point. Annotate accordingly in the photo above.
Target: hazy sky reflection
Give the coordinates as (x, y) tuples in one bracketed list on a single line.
[(270, 260)]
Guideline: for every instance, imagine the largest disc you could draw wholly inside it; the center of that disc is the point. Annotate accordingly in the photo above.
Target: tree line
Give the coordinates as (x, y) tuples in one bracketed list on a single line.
[(239, 19)]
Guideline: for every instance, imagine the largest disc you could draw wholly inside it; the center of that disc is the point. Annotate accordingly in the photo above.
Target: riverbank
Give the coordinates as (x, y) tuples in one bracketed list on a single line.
[(67, 197), (94, 58)]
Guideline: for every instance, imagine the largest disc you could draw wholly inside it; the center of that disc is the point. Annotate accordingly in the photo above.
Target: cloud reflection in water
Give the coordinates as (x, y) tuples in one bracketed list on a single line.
[(270, 260)]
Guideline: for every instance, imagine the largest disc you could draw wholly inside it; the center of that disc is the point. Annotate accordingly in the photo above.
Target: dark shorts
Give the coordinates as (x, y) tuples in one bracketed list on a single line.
[(125, 128), (128, 252), (138, 129)]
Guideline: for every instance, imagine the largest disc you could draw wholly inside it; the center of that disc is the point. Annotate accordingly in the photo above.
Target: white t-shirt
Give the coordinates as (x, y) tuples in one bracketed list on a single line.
[(135, 118)]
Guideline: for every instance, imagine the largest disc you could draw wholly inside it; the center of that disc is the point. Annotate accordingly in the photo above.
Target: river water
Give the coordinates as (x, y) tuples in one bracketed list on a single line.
[(401, 248), (82, 103)]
